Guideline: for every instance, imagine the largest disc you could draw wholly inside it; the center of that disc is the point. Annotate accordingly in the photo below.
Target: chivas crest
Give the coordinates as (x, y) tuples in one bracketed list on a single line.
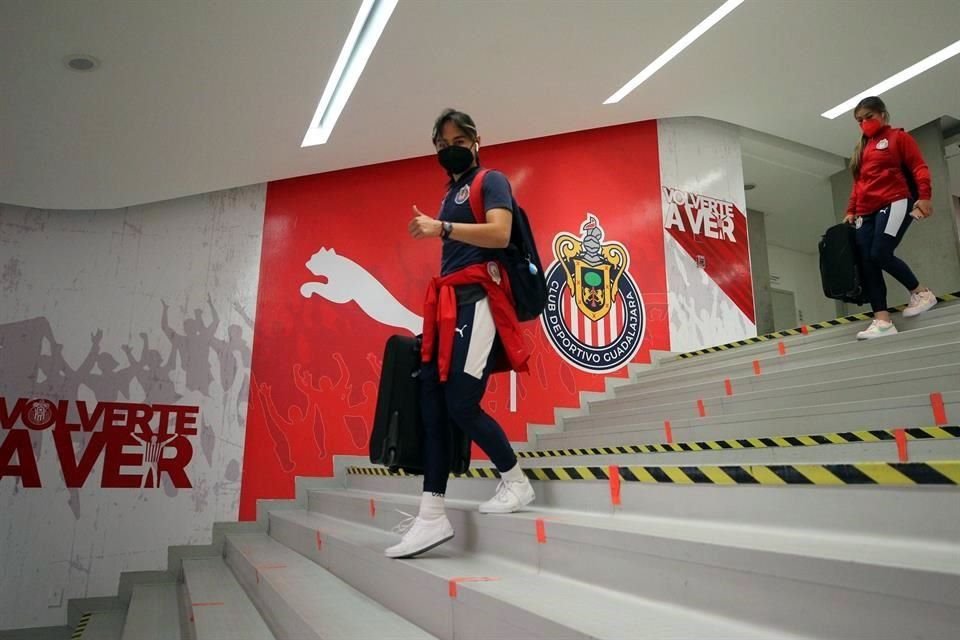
[(594, 316)]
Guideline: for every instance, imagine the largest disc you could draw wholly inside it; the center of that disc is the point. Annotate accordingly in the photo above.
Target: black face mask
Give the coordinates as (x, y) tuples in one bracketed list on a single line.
[(454, 159)]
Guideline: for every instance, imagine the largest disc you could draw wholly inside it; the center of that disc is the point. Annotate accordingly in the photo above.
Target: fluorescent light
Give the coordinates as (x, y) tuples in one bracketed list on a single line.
[(895, 80), (364, 34), (674, 50)]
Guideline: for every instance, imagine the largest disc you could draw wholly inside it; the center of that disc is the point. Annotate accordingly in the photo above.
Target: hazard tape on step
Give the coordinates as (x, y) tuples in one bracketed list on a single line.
[(865, 473), (945, 432), (81, 627), (949, 297)]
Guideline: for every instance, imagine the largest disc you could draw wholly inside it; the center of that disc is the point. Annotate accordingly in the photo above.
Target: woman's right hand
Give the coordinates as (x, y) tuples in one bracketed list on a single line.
[(849, 218)]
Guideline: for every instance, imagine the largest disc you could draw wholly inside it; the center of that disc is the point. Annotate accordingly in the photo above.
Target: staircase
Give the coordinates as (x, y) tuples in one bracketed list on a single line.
[(797, 486)]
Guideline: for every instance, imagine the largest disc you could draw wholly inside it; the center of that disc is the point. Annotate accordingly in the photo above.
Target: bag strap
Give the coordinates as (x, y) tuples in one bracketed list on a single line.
[(476, 197)]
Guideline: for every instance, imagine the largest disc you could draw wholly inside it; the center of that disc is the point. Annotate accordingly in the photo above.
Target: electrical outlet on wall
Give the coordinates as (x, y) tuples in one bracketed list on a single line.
[(55, 598)]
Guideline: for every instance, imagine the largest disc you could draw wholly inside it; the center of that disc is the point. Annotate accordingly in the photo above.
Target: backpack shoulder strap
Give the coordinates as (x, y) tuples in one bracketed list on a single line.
[(476, 196)]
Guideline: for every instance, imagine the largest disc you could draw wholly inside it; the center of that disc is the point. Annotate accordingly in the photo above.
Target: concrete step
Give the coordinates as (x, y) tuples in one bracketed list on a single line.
[(876, 451), (478, 595), (923, 514), (839, 416), (219, 607), (62, 632), (831, 390), (153, 613), (897, 348), (303, 601), (682, 561), (746, 381), (843, 331), (103, 625)]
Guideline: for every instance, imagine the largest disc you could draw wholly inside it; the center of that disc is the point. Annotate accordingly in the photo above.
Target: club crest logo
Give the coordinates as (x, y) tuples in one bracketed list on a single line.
[(463, 195), (595, 315), (39, 414)]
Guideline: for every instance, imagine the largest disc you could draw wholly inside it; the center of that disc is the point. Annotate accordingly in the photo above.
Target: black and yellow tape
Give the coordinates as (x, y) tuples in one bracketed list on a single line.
[(847, 437), (777, 335), (81, 627), (865, 473)]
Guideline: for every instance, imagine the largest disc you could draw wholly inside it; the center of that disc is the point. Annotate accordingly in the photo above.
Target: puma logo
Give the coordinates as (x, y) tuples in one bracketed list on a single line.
[(460, 331), (346, 281)]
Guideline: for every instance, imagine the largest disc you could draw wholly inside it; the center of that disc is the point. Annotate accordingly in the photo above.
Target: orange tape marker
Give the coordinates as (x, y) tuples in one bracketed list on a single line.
[(901, 436), (541, 531), (668, 431), (805, 330), (756, 367), (939, 411), (702, 410), (373, 508), (613, 471), (728, 386), (319, 541), (452, 584), (782, 348)]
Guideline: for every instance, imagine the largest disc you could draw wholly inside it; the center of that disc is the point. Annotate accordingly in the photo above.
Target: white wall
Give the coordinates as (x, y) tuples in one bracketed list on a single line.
[(799, 273), (64, 277), (700, 156)]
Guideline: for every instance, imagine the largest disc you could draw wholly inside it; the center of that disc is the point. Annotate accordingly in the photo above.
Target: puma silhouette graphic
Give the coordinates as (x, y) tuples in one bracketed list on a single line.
[(460, 331), (347, 281)]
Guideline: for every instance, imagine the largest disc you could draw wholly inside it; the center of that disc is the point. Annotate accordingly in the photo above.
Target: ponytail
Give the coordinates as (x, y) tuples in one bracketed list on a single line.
[(857, 156)]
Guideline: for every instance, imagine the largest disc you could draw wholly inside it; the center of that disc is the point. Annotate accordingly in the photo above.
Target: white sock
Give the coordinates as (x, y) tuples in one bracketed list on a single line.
[(514, 475), (431, 506)]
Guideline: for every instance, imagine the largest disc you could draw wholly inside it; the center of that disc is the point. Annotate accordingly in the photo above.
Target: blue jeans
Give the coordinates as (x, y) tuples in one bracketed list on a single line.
[(475, 349), (878, 235)]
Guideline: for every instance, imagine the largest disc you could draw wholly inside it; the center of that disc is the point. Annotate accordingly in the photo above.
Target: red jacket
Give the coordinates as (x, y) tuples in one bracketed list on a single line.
[(440, 311), (881, 179)]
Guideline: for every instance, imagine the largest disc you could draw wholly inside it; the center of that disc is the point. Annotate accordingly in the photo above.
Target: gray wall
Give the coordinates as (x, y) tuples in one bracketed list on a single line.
[(78, 289), (931, 247), (760, 271)]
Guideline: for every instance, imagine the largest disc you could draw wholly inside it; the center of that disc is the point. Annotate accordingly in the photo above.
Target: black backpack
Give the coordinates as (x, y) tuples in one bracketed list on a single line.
[(840, 270), (520, 258)]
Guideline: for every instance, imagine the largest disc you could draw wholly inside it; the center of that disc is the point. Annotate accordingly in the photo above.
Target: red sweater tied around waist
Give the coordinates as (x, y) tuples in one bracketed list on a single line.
[(440, 317)]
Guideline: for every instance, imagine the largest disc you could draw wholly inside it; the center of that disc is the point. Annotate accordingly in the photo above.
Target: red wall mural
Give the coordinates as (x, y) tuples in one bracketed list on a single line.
[(714, 233), (339, 275)]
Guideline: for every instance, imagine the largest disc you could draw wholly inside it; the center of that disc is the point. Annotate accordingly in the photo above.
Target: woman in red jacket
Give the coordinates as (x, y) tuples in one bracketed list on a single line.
[(882, 208)]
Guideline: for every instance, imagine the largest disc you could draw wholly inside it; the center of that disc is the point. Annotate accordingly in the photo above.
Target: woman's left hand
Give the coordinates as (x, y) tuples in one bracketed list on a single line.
[(423, 226), (924, 208)]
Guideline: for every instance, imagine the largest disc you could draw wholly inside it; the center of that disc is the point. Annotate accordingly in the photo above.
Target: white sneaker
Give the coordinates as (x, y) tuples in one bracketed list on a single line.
[(920, 302), (420, 535), (877, 329), (511, 496)]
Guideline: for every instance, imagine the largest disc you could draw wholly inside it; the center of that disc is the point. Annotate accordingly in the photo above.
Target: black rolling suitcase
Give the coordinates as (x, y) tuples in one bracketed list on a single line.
[(395, 440), (840, 271)]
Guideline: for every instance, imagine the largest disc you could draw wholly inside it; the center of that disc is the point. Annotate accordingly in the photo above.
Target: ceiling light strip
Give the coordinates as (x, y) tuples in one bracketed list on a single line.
[(674, 50), (364, 34), (914, 70)]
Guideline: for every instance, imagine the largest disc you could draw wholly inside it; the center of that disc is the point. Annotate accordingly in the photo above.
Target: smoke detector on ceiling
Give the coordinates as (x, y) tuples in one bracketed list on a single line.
[(81, 62)]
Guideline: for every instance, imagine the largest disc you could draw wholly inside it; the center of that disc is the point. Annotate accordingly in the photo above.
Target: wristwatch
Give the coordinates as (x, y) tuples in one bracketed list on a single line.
[(446, 230)]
